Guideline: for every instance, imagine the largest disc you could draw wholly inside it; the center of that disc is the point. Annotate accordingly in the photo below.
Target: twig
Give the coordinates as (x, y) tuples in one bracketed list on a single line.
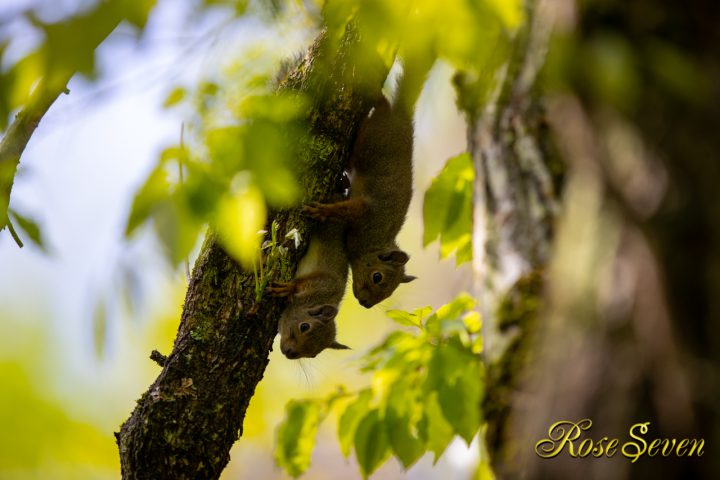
[(17, 137)]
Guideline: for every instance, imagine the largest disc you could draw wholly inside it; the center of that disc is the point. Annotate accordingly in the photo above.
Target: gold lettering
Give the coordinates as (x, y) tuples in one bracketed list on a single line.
[(699, 444), (611, 449), (587, 446), (632, 449), (565, 433), (560, 434), (668, 442), (682, 446), (653, 448)]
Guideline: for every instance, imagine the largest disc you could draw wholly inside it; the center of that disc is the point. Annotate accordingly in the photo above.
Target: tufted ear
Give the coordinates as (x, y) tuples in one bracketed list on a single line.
[(338, 346), (324, 313), (394, 257), (407, 278)]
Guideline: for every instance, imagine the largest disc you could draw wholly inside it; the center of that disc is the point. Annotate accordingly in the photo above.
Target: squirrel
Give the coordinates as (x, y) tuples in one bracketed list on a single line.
[(380, 192), (307, 325)]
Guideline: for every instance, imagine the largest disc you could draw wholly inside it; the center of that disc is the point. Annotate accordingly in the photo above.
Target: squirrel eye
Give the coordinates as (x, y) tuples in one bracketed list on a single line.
[(377, 277), (304, 327)]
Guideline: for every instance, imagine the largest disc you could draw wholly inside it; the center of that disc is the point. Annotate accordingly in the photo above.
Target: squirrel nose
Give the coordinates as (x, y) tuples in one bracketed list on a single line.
[(366, 303), (289, 353)]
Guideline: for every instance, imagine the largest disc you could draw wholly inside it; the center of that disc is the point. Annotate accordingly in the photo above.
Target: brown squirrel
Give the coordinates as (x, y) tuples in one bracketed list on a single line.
[(307, 325), (380, 192)]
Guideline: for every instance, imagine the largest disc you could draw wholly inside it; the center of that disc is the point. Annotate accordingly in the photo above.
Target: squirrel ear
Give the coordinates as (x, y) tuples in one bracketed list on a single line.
[(323, 312), (407, 278), (338, 346), (394, 257)]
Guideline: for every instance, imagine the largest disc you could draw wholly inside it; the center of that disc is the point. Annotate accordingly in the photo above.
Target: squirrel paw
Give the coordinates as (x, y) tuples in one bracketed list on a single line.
[(279, 289), (315, 210)]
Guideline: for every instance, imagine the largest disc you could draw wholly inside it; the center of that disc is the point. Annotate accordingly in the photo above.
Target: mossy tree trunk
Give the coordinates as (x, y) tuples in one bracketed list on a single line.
[(619, 324), (517, 179), (189, 418)]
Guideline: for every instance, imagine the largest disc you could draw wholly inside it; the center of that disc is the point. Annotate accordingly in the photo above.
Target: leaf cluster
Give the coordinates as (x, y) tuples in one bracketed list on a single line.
[(427, 387)]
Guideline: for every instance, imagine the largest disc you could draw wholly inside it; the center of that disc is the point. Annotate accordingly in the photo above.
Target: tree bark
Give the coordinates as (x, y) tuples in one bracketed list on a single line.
[(189, 418), (627, 330), (517, 179)]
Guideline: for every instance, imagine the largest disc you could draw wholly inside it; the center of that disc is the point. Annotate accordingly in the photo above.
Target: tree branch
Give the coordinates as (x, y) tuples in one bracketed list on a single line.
[(17, 137), (187, 421)]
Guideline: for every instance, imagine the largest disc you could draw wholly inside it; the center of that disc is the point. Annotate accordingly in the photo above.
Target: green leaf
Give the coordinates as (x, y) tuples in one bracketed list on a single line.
[(454, 373), (436, 431), (422, 312), (447, 319), (238, 220), (155, 190), (510, 12), (447, 209), (395, 349), (472, 322), (267, 152), (178, 231), (296, 436), (176, 96), (402, 413), (371, 443), (30, 227), (349, 420), (404, 318)]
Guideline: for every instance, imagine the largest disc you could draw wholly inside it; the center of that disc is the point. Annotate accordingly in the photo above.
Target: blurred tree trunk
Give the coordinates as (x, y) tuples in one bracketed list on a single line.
[(625, 329), (189, 418), (517, 178)]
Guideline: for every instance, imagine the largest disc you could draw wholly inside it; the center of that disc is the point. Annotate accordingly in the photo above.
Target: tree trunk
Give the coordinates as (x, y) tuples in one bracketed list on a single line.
[(189, 418), (517, 178), (624, 330)]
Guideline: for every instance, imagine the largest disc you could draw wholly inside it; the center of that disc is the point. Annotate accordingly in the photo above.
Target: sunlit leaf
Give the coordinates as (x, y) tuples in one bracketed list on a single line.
[(447, 208), (404, 318), (296, 436), (472, 322), (437, 432), (448, 317), (239, 218), (350, 419), (176, 96), (371, 443), (455, 375), (402, 413), (510, 12)]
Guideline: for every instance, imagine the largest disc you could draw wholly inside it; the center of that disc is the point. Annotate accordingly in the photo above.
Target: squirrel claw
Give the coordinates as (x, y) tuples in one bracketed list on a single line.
[(277, 289), (314, 210)]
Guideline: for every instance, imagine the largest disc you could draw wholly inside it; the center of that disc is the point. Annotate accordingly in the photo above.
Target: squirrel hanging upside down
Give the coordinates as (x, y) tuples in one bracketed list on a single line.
[(380, 192), (307, 325)]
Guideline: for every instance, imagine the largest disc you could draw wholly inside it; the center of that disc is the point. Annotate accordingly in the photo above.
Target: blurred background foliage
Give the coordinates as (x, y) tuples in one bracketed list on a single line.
[(172, 123)]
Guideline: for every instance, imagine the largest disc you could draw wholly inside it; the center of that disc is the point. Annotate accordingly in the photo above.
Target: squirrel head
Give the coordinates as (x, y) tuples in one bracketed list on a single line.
[(306, 331), (376, 275)]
